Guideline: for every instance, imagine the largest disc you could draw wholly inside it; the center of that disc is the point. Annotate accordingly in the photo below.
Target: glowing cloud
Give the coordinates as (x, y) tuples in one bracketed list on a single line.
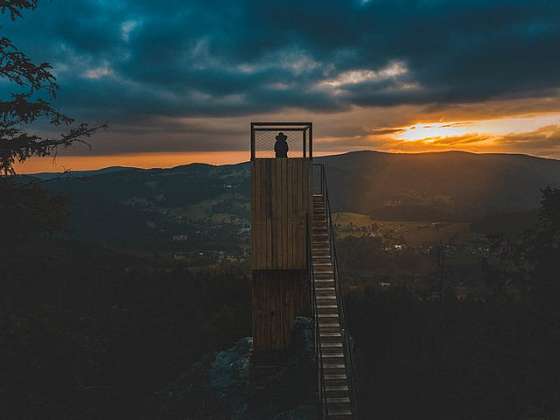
[(354, 77), (98, 72), (495, 127)]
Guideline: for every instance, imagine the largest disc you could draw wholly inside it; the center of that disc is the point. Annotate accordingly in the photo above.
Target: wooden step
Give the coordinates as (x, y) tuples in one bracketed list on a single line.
[(333, 356), (329, 326), (325, 306), (331, 301), (335, 376), (334, 366), (330, 334), (333, 346), (335, 370), (327, 316), (322, 244), (331, 338), (330, 330), (324, 282), (323, 275), (338, 400), (336, 389), (321, 252), (327, 309), (339, 414), (323, 270)]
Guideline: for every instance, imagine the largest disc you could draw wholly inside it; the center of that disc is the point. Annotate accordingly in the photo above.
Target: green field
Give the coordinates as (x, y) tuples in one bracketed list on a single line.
[(413, 233)]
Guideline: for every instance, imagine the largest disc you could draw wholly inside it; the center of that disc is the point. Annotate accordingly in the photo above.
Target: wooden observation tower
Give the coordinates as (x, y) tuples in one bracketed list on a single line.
[(294, 264), (280, 215)]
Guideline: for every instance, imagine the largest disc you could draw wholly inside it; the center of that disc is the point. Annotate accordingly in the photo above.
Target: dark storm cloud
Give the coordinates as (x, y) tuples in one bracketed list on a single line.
[(135, 59)]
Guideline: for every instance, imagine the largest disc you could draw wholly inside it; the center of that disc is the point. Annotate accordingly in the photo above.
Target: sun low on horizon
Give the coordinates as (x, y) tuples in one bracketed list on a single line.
[(175, 87), (506, 134)]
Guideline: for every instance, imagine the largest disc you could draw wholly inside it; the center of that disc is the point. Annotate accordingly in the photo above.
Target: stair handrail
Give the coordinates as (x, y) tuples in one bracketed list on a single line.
[(339, 287), (316, 339)]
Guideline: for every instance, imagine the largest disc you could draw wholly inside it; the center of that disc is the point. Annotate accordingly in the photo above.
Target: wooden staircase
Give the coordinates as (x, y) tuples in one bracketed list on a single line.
[(335, 371)]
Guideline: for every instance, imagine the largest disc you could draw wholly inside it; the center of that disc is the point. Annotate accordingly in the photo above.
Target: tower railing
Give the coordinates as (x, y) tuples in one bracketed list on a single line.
[(298, 137)]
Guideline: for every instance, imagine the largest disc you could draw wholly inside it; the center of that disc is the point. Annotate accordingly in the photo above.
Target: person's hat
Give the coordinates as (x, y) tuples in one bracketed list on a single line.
[(281, 136)]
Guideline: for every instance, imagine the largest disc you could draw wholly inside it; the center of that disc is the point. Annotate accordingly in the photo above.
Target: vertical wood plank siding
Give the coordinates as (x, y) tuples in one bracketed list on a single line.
[(280, 205), (278, 296)]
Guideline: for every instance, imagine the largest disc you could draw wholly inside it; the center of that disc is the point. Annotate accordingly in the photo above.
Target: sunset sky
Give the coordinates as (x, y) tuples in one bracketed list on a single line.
[(179, 81)]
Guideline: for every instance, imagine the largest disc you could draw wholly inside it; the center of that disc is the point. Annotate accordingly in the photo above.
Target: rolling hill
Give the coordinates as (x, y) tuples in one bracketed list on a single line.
[(200, 205), (438, 186)]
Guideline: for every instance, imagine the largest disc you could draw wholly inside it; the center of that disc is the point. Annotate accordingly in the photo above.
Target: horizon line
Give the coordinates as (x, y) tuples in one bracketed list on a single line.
[(146, 161)]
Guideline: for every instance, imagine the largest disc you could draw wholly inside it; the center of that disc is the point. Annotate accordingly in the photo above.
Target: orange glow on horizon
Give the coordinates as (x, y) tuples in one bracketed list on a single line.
[(140, 160), (503, 135)]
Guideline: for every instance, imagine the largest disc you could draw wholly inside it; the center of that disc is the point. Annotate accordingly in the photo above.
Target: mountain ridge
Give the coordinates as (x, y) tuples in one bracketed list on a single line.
[(202, 206), (119, 168)]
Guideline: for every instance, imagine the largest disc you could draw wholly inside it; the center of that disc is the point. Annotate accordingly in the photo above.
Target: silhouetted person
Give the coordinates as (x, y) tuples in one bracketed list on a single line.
[(281, 146)]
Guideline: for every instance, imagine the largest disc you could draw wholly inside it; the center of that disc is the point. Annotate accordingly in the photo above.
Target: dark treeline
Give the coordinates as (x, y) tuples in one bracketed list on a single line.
[(453, 360), (86, 333), (491, 356)]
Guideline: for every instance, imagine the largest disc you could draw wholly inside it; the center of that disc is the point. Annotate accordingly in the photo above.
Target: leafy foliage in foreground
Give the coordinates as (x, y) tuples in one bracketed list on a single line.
[(27, 211), (27, 105)]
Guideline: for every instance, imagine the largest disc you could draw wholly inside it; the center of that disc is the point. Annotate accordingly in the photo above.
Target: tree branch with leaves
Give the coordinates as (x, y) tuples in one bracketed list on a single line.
[(26, 107)]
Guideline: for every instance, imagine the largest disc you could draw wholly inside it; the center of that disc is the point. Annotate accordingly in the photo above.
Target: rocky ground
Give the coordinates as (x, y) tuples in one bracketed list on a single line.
[(219, 386)]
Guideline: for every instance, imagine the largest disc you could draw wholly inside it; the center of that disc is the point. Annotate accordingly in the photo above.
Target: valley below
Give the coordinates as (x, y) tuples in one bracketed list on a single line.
[(445, 262)]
